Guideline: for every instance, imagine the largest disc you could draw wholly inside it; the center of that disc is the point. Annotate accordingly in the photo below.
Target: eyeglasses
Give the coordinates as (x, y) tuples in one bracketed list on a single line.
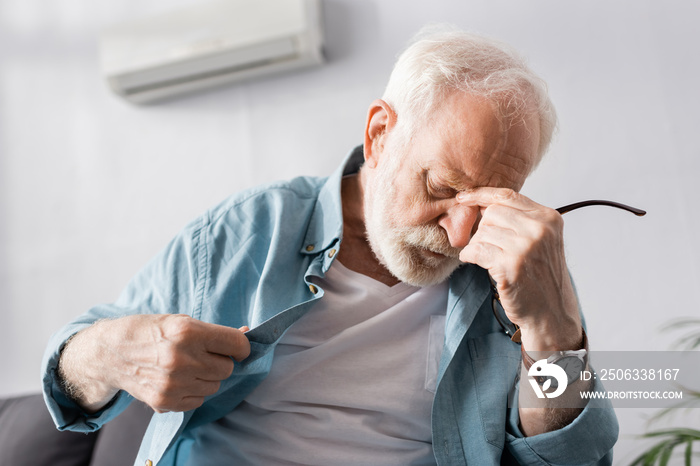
[(511, 329)]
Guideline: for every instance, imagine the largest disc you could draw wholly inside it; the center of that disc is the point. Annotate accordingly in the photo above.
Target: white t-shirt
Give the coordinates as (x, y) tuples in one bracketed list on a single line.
[(352, 382)]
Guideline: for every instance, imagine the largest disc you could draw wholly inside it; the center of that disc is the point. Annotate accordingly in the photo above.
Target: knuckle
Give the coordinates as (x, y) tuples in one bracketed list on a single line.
[(553, 230), (544, 228), (493, 213), (191, 403), (554, 218), (213, 388), (245, 348), (179, 329), (557, 220), (242, 347), (221, 370), (159, 401), (170, 360), (481, 249), (540, 231), (167, 385), (486, 213), (506, 194), (228, 369), (476, 252)]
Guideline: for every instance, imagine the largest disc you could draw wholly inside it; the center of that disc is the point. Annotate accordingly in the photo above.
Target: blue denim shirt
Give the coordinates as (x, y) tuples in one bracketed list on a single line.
[(249, 261)]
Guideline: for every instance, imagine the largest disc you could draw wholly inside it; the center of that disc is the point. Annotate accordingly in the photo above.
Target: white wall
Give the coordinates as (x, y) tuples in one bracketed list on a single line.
[(91, 187)]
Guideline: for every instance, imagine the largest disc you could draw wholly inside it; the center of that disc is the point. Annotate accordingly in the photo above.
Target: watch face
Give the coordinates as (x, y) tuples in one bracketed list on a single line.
[(572, 365)]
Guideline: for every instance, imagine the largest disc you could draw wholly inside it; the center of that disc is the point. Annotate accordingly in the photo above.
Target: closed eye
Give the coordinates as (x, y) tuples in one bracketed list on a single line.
[(439, 190)]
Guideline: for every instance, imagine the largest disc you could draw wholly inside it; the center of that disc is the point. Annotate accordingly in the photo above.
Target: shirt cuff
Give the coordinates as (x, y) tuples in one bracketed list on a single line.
[(66, 413), (589, 439)]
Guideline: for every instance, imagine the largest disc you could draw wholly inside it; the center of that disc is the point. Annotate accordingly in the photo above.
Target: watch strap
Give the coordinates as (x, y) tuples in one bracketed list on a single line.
[(528, 361)]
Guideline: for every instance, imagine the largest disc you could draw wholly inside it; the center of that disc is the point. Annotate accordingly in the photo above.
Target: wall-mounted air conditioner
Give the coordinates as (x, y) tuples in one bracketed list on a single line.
[(209, 45)]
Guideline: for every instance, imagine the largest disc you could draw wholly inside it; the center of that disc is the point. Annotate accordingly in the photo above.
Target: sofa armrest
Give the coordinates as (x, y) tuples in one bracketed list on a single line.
[(29, 436)]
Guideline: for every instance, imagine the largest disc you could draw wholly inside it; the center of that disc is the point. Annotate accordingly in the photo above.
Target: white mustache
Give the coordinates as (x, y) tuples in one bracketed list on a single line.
[(430, 237)]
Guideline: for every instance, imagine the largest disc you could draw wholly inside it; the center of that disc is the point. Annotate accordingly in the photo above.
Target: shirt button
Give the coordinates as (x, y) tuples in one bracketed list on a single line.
[(331, 253), (149, 463), (310, 247), (313, 289)]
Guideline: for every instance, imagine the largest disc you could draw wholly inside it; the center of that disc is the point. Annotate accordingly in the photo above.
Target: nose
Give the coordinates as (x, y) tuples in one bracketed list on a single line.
[(459, 221)]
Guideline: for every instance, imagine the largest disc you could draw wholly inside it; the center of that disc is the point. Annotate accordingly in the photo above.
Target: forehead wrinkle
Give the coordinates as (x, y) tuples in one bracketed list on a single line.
[(499, 166), (481, 149), (509, 169), (510, 162), (513, 162)]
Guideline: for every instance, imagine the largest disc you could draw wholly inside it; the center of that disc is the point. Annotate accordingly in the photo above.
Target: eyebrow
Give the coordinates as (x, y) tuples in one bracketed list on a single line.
[(454, 179)]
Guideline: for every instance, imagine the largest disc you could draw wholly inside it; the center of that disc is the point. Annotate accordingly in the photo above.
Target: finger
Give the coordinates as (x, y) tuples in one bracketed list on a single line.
[(486, 196), (227, 341), (189, 403), (195, 397), (482, 253), (497, 215), (216, 367), (185, 404), (514, 229), (198, 387), (169, 395), (502, 235)]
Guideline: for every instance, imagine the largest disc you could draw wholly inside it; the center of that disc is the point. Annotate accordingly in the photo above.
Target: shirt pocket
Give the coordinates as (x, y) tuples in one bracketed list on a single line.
[(436, 342), (495, 365)]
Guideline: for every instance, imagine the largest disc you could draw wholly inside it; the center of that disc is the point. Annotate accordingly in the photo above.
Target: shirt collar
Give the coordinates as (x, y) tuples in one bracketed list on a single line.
[(326, 224)]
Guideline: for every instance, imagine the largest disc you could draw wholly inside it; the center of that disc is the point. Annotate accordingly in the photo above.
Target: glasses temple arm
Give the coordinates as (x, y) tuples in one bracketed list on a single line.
[(577, 205)]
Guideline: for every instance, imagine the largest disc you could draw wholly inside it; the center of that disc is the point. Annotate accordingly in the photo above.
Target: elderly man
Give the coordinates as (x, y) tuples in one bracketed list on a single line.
[(358, 308)]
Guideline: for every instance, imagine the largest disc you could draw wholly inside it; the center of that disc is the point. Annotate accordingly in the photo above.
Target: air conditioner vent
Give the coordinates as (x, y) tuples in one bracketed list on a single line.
[(214, 44)]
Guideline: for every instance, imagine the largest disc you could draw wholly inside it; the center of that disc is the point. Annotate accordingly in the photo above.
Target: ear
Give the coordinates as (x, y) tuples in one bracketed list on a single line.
[(381, 119)]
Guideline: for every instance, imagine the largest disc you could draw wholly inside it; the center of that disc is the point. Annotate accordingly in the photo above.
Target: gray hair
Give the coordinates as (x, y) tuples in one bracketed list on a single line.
[(443, 59)]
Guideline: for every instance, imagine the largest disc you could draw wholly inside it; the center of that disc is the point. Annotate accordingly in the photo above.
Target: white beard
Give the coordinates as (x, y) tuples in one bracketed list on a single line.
[(403, 250)]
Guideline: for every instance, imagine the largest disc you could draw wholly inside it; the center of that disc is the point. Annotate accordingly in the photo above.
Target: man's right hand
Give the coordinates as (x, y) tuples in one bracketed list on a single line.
[(170, 362)]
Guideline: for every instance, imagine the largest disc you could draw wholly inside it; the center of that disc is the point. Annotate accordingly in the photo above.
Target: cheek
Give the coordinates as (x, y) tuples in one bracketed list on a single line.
[(420, 212)]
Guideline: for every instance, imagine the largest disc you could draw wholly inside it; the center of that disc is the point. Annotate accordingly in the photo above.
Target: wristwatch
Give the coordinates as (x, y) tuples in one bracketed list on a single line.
[(573, 362)]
